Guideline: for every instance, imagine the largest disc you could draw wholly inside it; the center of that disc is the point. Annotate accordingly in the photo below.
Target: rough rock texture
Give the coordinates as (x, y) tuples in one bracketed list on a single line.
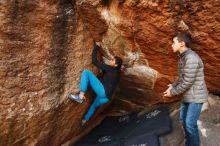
[(144, 30), (44, 48), (45, 45)]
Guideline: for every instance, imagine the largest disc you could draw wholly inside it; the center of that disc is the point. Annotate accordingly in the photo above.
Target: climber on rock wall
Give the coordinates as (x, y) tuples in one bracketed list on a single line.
[(103, 87)]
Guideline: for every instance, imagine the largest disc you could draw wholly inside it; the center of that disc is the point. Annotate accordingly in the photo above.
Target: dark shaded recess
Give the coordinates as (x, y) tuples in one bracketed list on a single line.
[(64, 24), (108, 2), (105, 2), (59, 48), (216, 93), (59, 44)]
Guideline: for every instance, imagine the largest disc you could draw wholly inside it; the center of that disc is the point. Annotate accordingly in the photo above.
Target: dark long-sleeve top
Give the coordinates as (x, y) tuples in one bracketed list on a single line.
[(111, 75)]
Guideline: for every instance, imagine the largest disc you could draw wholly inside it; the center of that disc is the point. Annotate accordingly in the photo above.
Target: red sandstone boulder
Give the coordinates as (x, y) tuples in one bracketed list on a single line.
[(45, 45)]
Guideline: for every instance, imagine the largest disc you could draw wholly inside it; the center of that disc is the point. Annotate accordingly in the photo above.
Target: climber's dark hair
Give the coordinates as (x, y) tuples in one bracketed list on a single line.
[(184, 37), (118, 61)]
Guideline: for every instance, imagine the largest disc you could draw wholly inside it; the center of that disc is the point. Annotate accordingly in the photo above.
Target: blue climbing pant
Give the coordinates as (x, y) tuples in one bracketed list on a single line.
[(88, 78)]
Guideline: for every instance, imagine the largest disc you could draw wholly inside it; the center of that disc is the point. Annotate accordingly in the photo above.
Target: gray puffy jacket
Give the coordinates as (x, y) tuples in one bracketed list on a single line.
[(190, 81)]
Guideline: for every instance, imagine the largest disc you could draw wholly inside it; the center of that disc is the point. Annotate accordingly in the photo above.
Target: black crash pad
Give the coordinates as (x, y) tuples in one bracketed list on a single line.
[(128, 129), (142, 140)]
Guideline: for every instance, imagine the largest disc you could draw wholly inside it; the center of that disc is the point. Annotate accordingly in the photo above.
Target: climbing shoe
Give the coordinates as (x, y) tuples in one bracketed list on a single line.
[(75, 97), (83, 122)]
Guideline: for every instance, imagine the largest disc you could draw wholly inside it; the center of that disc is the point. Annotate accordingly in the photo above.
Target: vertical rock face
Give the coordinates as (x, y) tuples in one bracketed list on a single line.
[(44, 48), (45, 45)]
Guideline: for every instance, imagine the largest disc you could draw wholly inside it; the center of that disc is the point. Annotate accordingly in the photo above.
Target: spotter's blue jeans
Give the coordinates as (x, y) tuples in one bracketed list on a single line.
[(189, 114)]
